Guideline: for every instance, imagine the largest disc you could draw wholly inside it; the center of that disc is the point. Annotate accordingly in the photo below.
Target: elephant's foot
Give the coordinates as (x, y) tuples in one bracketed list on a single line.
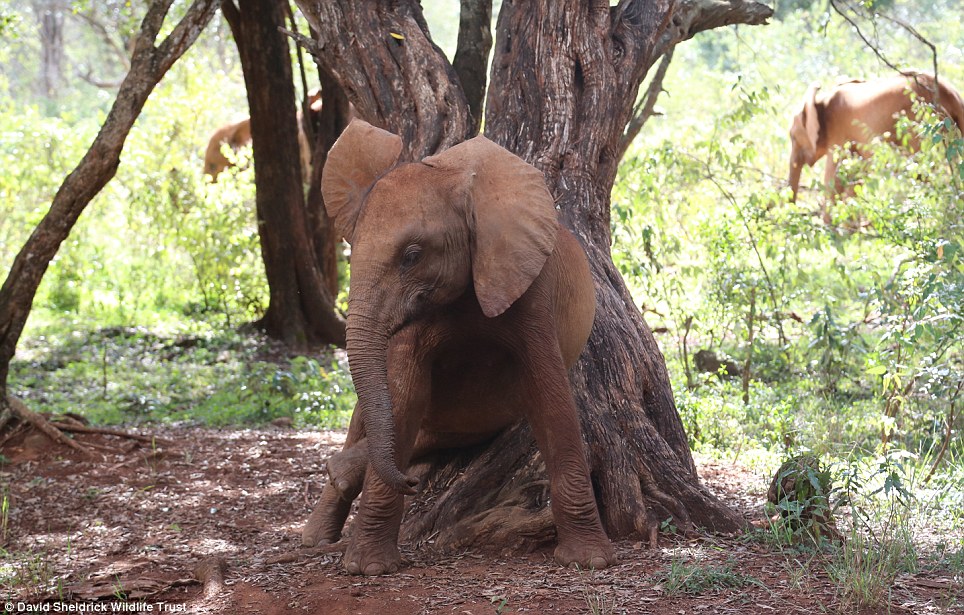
[(326, 521), (372, 558), (594, 554)]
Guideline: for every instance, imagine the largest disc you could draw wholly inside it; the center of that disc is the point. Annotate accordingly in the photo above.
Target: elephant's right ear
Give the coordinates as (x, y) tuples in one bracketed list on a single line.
[(806, 125), (361, 155)]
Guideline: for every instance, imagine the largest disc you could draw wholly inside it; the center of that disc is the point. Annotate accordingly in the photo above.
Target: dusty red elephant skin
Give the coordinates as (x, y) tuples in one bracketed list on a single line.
[(468, 304)]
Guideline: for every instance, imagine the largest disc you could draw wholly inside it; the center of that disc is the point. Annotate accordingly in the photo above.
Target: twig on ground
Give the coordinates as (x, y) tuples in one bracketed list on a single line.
[(210, 572), (77, 427), (300, 554)]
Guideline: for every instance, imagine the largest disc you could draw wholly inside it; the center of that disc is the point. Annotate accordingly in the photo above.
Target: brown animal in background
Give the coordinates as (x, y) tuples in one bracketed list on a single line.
[(235, 135), (238, 134), (856, 112), (469, 303)]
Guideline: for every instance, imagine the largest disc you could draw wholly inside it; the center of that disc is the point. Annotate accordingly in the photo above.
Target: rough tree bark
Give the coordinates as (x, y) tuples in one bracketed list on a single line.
[(565, 77), (148, 65), (334, 117), (472, 53), (391, 71), (301, 305)]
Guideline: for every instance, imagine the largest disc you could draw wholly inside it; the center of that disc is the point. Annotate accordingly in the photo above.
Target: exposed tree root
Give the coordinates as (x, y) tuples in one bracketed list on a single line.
[(524, 528), (74, 426), (497, 495), (13, 432), (16, 416), (5, 417), (41, 424)]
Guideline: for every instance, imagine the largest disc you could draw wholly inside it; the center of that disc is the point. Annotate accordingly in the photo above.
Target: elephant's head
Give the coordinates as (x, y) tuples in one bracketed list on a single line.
[(804, 135), (423, 234)]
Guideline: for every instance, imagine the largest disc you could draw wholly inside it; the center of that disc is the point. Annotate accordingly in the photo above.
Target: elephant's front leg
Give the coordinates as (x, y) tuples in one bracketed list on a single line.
[(552, 414), (833, 184), (373, 547), (346, 473)]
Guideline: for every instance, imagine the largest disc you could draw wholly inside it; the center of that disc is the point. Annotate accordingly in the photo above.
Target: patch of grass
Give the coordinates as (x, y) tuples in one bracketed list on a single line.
[(693, 579), (4, 515), (132, 375), (598, 603), (500, 604), (594, 593), (25, 574), (797, 572), (863, 569), (880, 542)]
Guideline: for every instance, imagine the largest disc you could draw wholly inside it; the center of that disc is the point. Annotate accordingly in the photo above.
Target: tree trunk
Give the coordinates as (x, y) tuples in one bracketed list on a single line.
[(564, 81), (392, 73), (301, 305), (472, 53), (50, 15), (148, 65), (334, 117)]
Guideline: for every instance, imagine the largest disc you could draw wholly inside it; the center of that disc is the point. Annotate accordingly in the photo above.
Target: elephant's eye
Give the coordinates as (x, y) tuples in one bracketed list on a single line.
[(411, 256)]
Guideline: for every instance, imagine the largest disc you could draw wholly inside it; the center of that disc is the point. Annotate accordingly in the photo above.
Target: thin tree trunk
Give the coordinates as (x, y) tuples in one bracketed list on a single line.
[(50, 15), (564, 80), (646, 107), (148, 65), (301, 306), (334, 117), (472, 53)]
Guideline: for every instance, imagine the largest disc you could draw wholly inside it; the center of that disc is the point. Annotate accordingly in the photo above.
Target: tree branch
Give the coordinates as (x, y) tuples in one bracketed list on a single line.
[(184, 34), (644, 109), (119, 50), (694, 16), (875, 45)]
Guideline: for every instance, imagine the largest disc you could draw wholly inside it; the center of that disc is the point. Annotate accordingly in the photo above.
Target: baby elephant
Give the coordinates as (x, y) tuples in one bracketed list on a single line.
[(856, 112), (468, 304)]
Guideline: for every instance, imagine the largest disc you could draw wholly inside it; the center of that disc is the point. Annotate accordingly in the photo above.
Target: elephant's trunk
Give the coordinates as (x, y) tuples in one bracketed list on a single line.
[(367, 343)]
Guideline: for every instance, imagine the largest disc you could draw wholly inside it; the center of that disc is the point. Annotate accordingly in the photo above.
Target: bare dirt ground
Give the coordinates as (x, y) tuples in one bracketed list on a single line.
[(145, 521)]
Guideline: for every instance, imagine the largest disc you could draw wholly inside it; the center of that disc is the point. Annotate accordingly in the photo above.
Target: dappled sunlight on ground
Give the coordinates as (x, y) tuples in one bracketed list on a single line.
[(139, 521)]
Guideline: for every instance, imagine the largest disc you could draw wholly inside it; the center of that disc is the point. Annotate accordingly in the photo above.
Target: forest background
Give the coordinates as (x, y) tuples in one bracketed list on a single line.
[(846, 336)]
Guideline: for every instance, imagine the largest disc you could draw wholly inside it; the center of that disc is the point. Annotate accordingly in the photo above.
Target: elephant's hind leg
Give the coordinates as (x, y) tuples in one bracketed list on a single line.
[(551, 412)]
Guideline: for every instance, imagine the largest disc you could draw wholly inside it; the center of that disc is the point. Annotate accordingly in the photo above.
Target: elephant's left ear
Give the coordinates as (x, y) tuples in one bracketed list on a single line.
[(514, 215)]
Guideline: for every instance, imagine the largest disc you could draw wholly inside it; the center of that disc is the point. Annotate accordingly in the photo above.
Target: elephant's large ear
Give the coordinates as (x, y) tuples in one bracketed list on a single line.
[(361, 155), (806, 125), (514, 215)]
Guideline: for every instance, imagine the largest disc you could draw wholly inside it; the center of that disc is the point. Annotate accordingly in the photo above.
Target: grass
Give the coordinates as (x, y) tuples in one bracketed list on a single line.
[(29, 573), (132, 375), (863, 569), (693, 579)]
